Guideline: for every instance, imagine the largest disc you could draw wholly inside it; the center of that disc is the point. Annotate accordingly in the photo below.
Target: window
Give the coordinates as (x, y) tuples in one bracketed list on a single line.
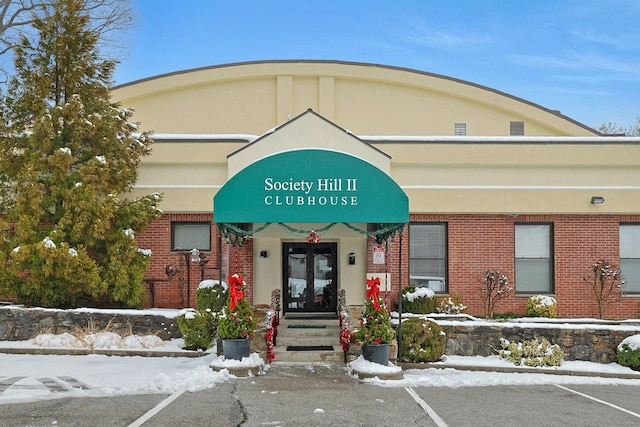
[(534, 265), (460, 129), (190, 235), (516, 128), (630, 256), (428, 256)]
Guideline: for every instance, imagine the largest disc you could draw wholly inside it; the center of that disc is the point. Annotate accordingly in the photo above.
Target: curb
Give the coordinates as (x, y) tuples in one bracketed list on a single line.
[(403, 365), (520, 370), (104, 352)]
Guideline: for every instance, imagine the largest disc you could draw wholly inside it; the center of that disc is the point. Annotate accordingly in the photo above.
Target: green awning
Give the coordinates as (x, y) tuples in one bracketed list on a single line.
[(311, 186)]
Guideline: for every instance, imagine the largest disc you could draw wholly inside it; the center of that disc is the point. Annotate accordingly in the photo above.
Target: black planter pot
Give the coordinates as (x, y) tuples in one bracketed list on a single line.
[(236, 348), (376, 353)]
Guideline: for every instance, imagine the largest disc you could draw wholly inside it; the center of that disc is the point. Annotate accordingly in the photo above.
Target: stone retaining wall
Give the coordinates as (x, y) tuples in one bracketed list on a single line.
[(578, 342), (596, 344), (19, 324)]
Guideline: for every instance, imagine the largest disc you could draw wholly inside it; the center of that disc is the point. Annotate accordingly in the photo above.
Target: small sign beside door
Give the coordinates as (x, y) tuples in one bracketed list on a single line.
[(378, 255)]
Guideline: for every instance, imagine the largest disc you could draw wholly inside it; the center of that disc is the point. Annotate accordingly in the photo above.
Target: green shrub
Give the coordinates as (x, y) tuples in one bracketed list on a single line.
[(375, 325), (541, 306), (506, 316), (629, 353), (418, 300), (237, 324), (536, 352), (422, 340), (196, 328), (199, 327), (211, 295)]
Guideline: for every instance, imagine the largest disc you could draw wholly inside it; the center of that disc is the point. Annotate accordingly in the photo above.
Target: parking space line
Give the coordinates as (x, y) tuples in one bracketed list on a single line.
[(5, 383), (153, 411), (427, 409), (599, 401)]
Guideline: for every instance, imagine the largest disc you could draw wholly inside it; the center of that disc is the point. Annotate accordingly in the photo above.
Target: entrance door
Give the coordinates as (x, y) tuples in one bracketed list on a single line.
[(310, 277)]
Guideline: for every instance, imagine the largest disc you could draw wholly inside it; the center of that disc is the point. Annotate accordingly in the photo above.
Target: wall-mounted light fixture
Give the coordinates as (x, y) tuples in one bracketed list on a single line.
[(352, 258), (597, 200), (264, 254), (195, 255)]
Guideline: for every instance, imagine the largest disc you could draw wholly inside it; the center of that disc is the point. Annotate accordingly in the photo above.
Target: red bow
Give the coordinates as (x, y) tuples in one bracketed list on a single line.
[(235, 291), (313, 237), (373, 291)]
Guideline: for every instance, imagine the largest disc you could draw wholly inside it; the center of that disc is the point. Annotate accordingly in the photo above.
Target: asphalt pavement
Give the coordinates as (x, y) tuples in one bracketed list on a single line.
[(324, 394), (302, 394)]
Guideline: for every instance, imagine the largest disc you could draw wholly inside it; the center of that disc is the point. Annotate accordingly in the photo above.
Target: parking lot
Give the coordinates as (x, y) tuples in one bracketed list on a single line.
[(323, 395)]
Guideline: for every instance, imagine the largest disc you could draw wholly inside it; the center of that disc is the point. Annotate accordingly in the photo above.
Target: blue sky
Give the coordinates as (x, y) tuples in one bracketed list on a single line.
[(581, 57)]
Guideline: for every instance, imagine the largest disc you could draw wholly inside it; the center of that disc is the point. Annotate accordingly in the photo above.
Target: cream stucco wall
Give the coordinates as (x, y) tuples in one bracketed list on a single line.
[(213, 122), (268, 271), (539, 176), (383, 105), (307, 131), (366, 99)]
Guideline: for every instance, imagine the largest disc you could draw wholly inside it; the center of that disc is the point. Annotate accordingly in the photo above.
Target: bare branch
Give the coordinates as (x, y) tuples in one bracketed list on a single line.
[(495, 286), (606, 281), (109, 19)]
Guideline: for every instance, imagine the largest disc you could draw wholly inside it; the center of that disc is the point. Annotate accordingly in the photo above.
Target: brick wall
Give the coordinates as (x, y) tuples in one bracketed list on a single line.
[(479, 242), (475, 243), (391, 265), (180, 290)]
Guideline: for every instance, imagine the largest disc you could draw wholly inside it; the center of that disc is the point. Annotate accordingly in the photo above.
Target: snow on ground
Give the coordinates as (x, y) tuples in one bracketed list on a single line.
[(104, 375), (33, 377), (99, 375)]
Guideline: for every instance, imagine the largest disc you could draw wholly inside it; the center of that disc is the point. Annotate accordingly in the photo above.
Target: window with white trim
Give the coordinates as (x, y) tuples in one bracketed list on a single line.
[(428, 255), (630, 257), (460, 129), (191, 235), (533, 258)]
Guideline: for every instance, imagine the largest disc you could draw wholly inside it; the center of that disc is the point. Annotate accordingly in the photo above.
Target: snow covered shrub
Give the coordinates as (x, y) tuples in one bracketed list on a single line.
[(536, 352), (418, 300), (541, 306), (195, 327), (102, 340), (451, 305), (137, 341), (65, 340), (422, 340), (211, 294), (198, 327), (629, 352)]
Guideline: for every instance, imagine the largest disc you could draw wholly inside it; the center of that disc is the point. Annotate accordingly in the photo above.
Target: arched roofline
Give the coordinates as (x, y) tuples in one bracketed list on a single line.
[(367, 65)]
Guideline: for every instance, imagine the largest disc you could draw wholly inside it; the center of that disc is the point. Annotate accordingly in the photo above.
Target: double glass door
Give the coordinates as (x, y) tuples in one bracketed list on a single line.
[(310, 277)]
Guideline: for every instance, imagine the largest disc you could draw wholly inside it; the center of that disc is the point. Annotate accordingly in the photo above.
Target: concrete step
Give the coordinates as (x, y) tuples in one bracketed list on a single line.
[(300, 332), (282, 355), (302, 321), (285, 340), (319, 328), (329, 335)]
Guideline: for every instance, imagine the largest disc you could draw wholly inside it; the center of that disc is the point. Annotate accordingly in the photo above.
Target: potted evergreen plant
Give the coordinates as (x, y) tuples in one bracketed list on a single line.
[(236, 322), (375, 333)]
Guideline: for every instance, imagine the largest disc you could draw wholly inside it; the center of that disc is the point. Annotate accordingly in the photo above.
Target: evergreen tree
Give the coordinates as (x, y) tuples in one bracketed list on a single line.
[(68, 154)]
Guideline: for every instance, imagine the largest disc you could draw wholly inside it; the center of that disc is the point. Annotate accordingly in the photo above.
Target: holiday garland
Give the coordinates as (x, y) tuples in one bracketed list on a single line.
[(235, 235)]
